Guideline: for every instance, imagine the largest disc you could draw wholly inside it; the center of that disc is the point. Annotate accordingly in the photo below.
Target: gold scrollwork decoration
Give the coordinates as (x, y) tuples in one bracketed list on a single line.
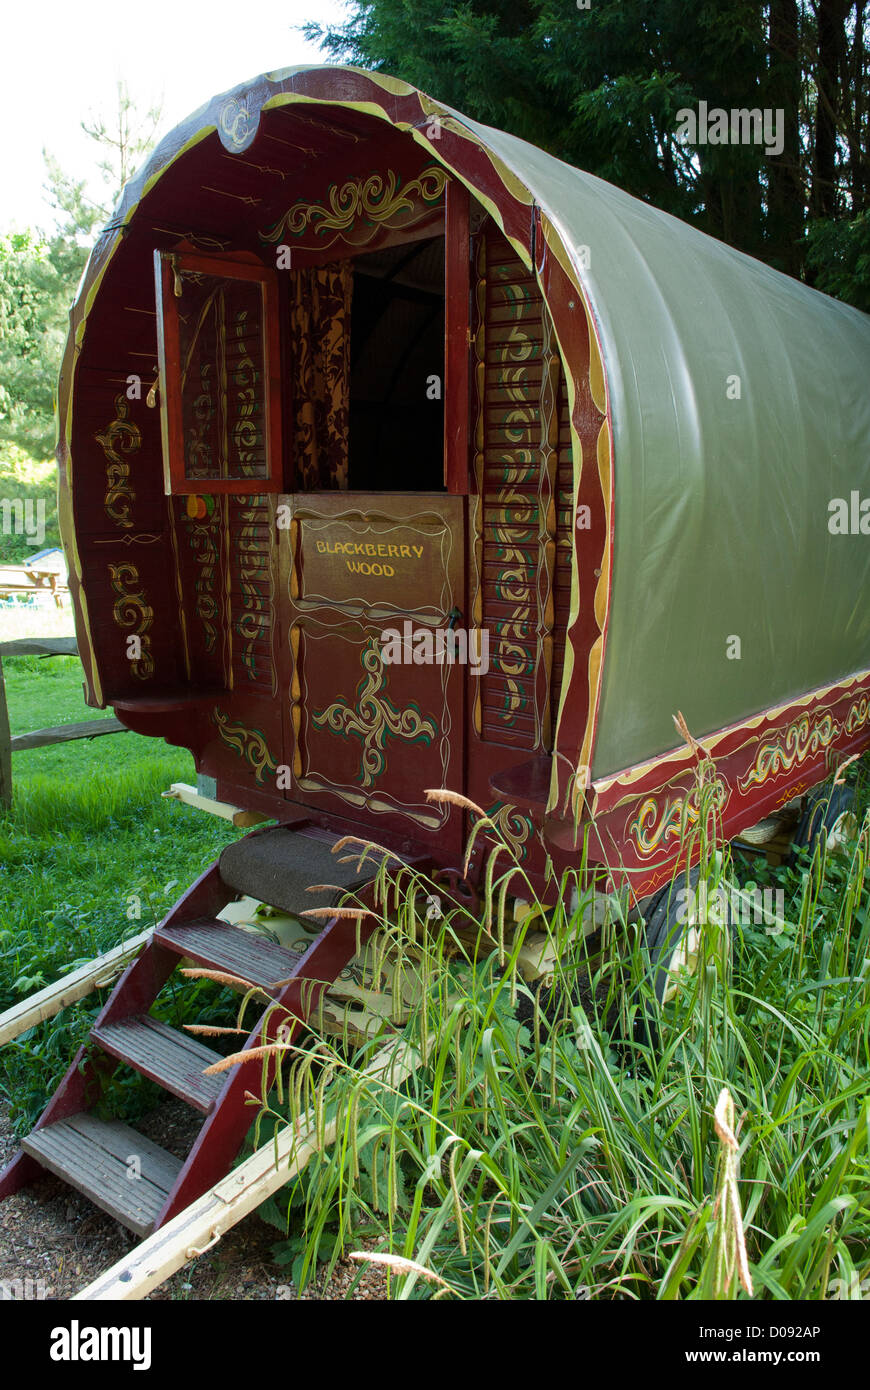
[(131, 610), (235, 121), (203, 534), (655, 825), (858, 716), (121, 436), (361, 206), (249, 744), (514, 825), (800, 741), (246, 435)]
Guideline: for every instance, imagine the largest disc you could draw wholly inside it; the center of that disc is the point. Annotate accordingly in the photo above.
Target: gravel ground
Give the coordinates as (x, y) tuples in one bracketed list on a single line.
[(53, 1236)]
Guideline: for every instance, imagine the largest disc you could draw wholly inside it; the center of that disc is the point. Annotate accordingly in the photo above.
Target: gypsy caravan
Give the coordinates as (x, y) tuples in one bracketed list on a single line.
[(347, 369)]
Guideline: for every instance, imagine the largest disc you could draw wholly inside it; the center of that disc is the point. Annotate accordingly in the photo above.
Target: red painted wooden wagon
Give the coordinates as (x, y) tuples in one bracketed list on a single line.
[(346, 363)]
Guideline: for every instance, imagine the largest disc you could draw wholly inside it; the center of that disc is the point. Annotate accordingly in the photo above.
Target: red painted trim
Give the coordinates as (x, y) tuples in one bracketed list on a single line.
[(573, 323), (457, 283), (760, 764)]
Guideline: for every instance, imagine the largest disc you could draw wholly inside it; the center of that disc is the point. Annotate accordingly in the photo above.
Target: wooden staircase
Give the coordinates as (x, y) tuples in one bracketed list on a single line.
[(121, 1171)]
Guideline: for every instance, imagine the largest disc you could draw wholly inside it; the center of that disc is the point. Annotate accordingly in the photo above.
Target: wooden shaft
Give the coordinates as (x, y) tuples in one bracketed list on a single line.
[(79, 983), (5, 747)]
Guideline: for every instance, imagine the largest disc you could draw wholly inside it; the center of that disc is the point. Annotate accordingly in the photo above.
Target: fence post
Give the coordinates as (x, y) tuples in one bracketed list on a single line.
[(5, 746), (23, 646)]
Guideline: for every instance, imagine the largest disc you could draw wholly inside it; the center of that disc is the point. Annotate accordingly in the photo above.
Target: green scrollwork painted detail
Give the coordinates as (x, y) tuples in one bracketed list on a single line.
[(249, 744), (858, 716), (373, 718), (653, 827), (516, 827), (656, 824)]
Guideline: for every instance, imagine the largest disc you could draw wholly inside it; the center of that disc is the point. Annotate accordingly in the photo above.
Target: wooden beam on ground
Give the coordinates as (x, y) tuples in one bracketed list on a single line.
[(182, 791), (79, 983), (65, 733), (201, 1225), (40, 646)]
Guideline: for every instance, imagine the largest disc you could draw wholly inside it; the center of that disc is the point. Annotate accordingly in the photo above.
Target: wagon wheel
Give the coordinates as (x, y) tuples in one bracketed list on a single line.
[(459, 890), (673, 940), (829, 811)]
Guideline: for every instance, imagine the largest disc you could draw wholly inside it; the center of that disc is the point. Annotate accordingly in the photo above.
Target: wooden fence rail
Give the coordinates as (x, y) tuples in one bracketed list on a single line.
[(41, 738)]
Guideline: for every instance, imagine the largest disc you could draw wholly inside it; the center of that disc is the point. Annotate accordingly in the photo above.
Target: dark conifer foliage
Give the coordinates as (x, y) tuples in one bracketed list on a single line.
[(601, 88)]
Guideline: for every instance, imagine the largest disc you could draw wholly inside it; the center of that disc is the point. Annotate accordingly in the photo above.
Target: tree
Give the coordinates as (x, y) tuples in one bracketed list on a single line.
[(128, 138), (33, 296), (601, 87), (39, 273), (785, 184)]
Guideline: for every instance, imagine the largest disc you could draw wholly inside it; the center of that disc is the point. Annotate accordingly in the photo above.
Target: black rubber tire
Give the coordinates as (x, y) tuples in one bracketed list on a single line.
[(664, 932), (824, 808)]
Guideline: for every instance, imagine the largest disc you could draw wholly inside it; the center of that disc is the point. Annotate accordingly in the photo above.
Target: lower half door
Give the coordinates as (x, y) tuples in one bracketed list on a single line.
[(376, 710)]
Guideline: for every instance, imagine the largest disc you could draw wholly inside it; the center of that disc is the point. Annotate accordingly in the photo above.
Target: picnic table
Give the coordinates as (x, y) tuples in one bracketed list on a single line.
[(22, 580)]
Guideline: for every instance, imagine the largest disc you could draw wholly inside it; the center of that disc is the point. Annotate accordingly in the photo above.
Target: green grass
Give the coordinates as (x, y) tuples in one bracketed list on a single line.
[(91, 854), (578, 1154), (559, 1146)]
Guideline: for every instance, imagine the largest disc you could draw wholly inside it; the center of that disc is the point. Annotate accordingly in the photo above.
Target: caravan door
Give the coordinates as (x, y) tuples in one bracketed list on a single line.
[(372, 578)]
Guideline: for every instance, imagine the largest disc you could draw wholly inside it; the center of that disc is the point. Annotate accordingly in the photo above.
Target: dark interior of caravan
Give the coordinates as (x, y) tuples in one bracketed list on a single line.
[(397, 369)]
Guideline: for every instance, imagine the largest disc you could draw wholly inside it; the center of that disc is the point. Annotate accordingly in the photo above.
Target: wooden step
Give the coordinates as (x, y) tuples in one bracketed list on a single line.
[(176, 1061), (218, 946), (96, 1156)]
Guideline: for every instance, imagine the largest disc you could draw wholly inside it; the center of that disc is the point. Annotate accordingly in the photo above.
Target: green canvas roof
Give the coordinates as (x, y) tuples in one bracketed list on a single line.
[(721, 505)]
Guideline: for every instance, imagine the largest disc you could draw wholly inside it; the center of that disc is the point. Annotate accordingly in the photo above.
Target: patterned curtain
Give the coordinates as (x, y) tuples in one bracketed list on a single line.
[(320, 335)]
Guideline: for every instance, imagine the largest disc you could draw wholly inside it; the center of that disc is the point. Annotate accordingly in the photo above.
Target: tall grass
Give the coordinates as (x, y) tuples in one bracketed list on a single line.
[(586, 1140)]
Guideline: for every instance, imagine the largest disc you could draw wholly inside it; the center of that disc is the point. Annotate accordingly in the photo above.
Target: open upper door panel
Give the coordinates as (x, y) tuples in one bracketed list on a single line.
[(219, 357)]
